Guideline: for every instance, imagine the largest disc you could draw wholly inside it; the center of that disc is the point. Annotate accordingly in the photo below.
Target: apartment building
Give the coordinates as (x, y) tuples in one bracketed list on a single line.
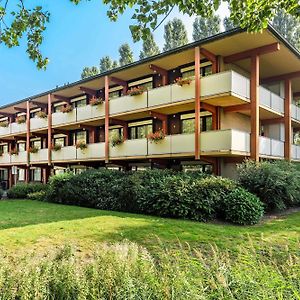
[(208, 105)]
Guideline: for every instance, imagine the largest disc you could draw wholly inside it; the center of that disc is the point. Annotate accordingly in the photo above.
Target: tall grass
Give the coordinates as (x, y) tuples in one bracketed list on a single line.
[(127, 271)]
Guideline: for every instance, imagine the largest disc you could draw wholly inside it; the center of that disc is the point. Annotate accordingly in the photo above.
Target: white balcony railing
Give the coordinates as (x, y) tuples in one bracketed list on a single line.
[(271, 147), (295, 112), (127, 103), (60, 118), (93, 151), (129, 148), (20, 158), (5, 130), (271, 100), (296, 152), (229, 140), (17, 128), (38, 123), (64, 154), (90, 112), (5, 159), (40, 157)]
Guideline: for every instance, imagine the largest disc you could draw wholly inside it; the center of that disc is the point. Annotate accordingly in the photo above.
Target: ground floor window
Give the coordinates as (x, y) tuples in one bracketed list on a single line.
[(20, 174), (36, 174)]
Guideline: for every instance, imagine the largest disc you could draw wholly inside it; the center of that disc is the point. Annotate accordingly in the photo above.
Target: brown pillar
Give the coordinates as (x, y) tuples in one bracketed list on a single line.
[(28, 131), (287, 119), (46, 174), (254, 98), (197, 103), (106, 93), (125, 132), (27, 174), (49, 128), (10, 177)]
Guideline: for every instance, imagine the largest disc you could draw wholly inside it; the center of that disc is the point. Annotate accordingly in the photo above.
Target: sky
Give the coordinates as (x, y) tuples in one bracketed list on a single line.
[(77, 36)]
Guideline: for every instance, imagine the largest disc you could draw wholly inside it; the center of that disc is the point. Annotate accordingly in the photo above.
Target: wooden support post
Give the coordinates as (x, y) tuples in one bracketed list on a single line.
[(106, 93), (10, 177), (287, 119), (28, 131), (49, 128), (197, 103), (27, 174), (254, 97)]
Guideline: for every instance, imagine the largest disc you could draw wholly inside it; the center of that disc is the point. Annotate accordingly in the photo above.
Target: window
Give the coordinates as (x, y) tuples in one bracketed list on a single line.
[(34, 113), (114, 94), (115, 132), (79, 136), (140, 130), (36, 144), (20, 174), (205, 70), (4, 148), (79, 103), (21, 147), (57, 108), (59, 141), (188, 122), (146, 83), (36, 174)]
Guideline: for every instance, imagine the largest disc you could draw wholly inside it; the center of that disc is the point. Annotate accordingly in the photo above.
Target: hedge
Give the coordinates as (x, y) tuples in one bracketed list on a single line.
[(156, 192), (21, 190)]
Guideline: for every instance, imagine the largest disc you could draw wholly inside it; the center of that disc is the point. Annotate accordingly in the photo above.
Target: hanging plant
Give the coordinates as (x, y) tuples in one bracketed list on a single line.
[(116, 140), (41, 114), (34, 149), (21, 119), (81, 145), (156, 137), (14, 151), (96, 101), (56, 147), (4, 124), (66, 108), (183, 81), (135, 91)]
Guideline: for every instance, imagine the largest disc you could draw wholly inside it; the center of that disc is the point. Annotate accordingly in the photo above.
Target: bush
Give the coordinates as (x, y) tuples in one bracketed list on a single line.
[(21, 190), (275, 183), (243, 208), (39, 196), (1, 193)]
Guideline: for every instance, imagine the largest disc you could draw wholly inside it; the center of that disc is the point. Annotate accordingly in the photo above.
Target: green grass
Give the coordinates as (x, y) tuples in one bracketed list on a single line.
[(30, 225)]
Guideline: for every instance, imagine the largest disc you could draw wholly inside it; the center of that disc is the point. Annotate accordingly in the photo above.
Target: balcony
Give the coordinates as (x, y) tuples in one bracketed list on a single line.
[(296, 152), (90, 112), (17, 128), (271, 100), (295, 112), (225, 141), (20, 158), (38, 123), (5, 159), (40, 157), (129, 148), (64, 154), (60, 118), (92, 152), (270, 147), (5, 130)]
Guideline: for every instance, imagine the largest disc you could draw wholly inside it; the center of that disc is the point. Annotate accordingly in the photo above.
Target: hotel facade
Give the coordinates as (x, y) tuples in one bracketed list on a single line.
[(207, 105)]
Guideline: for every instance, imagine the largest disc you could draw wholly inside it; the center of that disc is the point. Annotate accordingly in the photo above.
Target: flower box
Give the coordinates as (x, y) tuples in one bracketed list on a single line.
[(81, 145), (135, 91), (116, 140), (21, 119), (66, 108), (41, 114), (34, 149), (56, 147), (183, 81), (156, 137), (96, 101)]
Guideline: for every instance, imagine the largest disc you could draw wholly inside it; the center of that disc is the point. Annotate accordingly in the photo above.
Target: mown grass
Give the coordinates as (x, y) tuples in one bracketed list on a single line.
[(30, 225)]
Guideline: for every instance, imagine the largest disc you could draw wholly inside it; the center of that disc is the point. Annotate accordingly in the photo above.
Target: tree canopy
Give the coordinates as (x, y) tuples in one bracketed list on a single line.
[(20, 21), (205, 27), (175, 34)]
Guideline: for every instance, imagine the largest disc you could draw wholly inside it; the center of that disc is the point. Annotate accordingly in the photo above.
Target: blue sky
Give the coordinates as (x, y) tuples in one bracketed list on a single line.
[(76, 36)]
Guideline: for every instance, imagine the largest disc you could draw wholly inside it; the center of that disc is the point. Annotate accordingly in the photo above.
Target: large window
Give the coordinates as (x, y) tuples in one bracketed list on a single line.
[(115, 132), (80, 136), (140, 130), (4, 148), (188, 122), (36, 144), (59, 141), (205, 70), (146, 83), (79, 101), (36, 174), (21, 146)]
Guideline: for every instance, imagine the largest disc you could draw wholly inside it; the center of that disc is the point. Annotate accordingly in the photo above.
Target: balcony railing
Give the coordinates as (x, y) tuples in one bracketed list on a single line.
[(38, 123), (90, 112), (296, 152), (17, 128), (295, 112), (271, 100), (60, 118), (40, 157), (20, 158), (271, 147), (5, 159)]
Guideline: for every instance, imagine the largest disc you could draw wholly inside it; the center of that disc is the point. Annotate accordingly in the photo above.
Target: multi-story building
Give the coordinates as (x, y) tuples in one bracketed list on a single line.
[(215, 102)]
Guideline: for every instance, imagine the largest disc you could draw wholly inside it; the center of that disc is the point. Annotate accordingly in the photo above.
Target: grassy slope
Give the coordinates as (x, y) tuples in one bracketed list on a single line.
[(35, 226)]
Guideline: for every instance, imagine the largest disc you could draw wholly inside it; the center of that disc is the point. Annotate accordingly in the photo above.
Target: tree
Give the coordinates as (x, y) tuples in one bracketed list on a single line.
[(205, 27), (150, 48), (175, 34), (19, 21), (288, 26), (106, 64), (89, 71), (229, 24), (126, 55)]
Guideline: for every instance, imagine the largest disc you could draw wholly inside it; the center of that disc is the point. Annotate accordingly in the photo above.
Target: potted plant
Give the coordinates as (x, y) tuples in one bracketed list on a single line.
[(4, 124), (81, 145), (14, 151), (183, 81), (34, 149), (21, 119), (135, 91), (96, 101), (116, 140), (66, 108), (156, 136), (56, 147), (41, 114)]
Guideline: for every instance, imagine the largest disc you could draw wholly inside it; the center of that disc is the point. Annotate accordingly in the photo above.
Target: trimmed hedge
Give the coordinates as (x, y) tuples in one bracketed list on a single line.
[(21, 190), (157, 192), (277, 184)]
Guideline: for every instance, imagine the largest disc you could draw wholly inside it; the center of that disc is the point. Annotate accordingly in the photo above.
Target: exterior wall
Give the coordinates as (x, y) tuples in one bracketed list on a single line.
[(228, 170), (274, 131), (235, 121)]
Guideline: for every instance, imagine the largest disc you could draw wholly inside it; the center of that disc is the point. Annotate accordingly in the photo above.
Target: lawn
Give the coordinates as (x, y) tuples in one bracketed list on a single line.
[(35, 226)]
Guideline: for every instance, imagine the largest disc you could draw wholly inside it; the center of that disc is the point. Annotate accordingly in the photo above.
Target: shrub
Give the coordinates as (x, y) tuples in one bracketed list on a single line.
[(241, 207), (39, 196), (21, 190), (275, 183), (66, 108), (41, 114), (1, 193), (21, 119), (4, 124), (82, 145)]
